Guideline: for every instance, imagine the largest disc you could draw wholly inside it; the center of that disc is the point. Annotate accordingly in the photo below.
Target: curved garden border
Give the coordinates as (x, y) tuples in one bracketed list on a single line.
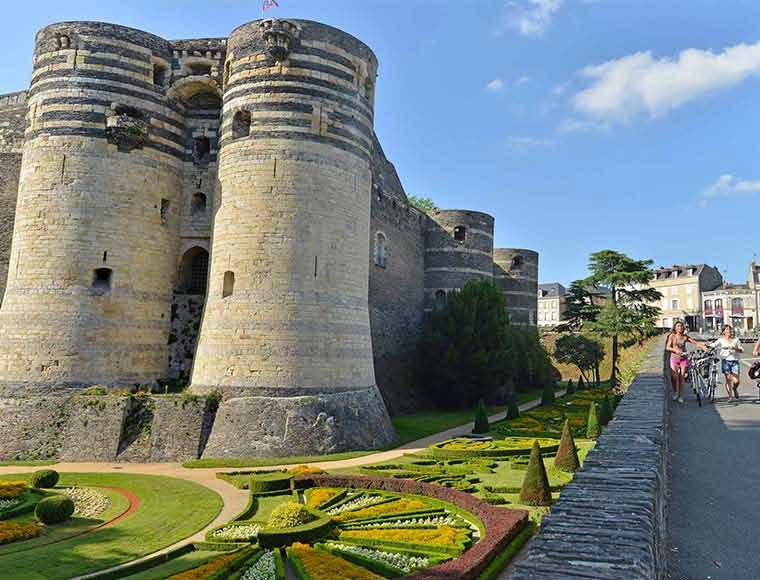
[(501, 525)]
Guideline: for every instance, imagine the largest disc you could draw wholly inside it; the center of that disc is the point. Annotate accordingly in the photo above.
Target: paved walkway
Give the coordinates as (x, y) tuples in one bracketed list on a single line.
[(235, 500), (714, 519)]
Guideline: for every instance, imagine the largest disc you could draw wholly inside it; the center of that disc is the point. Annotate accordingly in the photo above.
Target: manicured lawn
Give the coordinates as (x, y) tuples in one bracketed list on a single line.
[(170, 510), (266, 461), (30, 463)]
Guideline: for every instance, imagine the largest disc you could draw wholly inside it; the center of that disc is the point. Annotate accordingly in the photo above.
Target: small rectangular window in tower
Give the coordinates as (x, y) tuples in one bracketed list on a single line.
[(159, 74), (101, 280), (165, 203), (241, 124), (460, 233), (228, 285), (201, 150)]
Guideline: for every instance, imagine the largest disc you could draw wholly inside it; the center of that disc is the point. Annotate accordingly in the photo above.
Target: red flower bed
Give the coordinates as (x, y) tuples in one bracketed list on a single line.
[(501, 525)]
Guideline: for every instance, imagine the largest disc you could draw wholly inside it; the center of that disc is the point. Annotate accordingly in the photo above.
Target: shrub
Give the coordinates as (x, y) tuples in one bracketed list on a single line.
[(547, 395), (535, 488), (15, 531), (481, 418), (44, 479), (581, 384), (570, 387), (593, 428), (54, 510), (513, 409), (605, 410), (319, 496), (392, 507), (305, 470), (289, 515), (311, 563), (277, 481), (11, 489), (567, 455), (442, 536)]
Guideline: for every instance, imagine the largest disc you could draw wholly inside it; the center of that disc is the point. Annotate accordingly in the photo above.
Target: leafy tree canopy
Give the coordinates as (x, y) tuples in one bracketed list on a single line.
[(422, 203)]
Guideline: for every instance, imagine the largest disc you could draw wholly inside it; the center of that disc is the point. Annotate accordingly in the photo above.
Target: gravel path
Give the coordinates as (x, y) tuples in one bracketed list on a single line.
[(715, 476)]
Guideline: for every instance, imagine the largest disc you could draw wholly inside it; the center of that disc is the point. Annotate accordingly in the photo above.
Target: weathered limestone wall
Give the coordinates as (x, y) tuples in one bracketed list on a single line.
[(286, 320), (93, 265), (610, 522), (93, 427), (31, 428), (187, 311), (449, 262), (178, 429), (12, 122), (515, 271), (396, 285)]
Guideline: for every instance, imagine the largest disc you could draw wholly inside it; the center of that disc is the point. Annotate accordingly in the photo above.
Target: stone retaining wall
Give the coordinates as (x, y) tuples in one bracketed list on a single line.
[(610, 521)]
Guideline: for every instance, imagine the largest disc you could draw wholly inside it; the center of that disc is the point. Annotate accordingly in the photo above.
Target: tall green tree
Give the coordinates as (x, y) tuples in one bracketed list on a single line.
[(579, 350), (627, 311), (580, 307)]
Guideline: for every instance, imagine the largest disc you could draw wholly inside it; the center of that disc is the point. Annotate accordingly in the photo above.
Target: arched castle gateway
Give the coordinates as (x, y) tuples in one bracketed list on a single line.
[(138, 152)]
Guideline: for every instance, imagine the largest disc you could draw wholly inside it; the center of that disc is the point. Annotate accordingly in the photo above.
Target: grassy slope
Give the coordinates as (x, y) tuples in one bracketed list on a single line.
[(170, 510), (179, 564)]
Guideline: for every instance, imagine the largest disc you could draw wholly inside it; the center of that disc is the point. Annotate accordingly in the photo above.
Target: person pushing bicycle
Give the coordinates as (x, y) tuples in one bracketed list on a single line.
[(729, 366), (679, 360)]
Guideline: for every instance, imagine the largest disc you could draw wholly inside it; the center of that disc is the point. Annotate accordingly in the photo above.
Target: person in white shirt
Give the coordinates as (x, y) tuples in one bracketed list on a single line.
[(728, 348)]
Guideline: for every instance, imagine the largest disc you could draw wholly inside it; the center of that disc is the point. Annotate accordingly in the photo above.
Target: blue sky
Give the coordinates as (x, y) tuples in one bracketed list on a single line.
[(579, 124)]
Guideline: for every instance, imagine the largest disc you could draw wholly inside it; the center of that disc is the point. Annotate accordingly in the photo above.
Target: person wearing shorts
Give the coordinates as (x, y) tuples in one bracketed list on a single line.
[(679, 360), (729, 347)]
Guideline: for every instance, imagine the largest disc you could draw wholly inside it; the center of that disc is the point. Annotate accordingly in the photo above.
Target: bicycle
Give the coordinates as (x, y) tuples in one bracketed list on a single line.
[(703, 374)]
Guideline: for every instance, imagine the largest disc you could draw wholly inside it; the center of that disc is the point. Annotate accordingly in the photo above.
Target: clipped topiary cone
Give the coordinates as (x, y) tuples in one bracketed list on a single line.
[(481, 418), (581, 384), (570, 387), (567, 455), (513, 409), (605, 410), (535, 489), (547, 395), (593, 428)]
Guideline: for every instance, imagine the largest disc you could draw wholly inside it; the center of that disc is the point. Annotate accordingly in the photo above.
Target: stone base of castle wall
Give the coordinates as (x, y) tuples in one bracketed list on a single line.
[(261, 426)]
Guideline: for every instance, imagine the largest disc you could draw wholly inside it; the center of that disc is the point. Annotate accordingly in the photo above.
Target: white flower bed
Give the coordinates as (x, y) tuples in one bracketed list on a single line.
[(243, 532), (402, 562), (8, 503), (419, 521), (88, 502), (263, 569), (355, 504)]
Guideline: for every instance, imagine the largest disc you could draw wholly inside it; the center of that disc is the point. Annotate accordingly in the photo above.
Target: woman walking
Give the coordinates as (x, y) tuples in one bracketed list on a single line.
[(729, 364), (679, 360)]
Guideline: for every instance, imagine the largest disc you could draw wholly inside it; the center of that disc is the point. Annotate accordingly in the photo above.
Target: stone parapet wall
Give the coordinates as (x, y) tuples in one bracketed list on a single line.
[(610, 521)]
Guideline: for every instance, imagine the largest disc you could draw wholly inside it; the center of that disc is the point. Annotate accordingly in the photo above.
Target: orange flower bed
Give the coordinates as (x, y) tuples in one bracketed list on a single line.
[(209, 568), (14, 532), (11, 489), (319, 496), (393, 507), (320, 565), (443, 536)]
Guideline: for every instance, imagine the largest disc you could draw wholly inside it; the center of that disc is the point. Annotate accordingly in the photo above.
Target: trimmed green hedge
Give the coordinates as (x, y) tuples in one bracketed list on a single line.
[(499, 448), (379, 568), (54, 510), (270, 482), (44, 478), (29, 500), (432, 549)]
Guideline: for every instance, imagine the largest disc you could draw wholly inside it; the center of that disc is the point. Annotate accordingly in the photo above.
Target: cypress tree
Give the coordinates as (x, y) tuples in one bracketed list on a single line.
[(535, 488), (570, 387), (567, 455), (547, 395), (481, 418), (605, 410), (593, 428), (513, 409), (581, 385)]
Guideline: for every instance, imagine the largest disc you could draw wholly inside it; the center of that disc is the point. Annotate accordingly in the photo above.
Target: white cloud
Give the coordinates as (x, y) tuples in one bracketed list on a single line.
[(531, 17), (728, 185), (522, 80), (495, 85), (640, 84)]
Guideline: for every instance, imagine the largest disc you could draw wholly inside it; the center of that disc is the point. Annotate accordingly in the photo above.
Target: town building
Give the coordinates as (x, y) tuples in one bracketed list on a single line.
[(734, 304), (682, 286), (551, 304)]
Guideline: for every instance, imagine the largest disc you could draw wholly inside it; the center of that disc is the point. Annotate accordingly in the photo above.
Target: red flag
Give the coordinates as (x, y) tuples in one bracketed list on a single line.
[(269, 4)]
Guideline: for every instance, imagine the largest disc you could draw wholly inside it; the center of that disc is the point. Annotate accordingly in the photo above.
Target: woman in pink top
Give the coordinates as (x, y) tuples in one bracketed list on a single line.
[(679, 361)]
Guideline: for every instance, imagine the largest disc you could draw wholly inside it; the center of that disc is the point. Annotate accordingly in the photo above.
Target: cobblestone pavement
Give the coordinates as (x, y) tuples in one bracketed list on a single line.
[(715, 483)]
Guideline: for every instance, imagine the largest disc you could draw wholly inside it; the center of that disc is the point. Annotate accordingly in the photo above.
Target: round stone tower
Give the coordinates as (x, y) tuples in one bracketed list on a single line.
[(285, 334), (458, 248), (516, 273), (93, 257)]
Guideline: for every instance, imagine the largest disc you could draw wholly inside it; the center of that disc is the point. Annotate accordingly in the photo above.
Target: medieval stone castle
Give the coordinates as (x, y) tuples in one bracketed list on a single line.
[(219, 209)]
